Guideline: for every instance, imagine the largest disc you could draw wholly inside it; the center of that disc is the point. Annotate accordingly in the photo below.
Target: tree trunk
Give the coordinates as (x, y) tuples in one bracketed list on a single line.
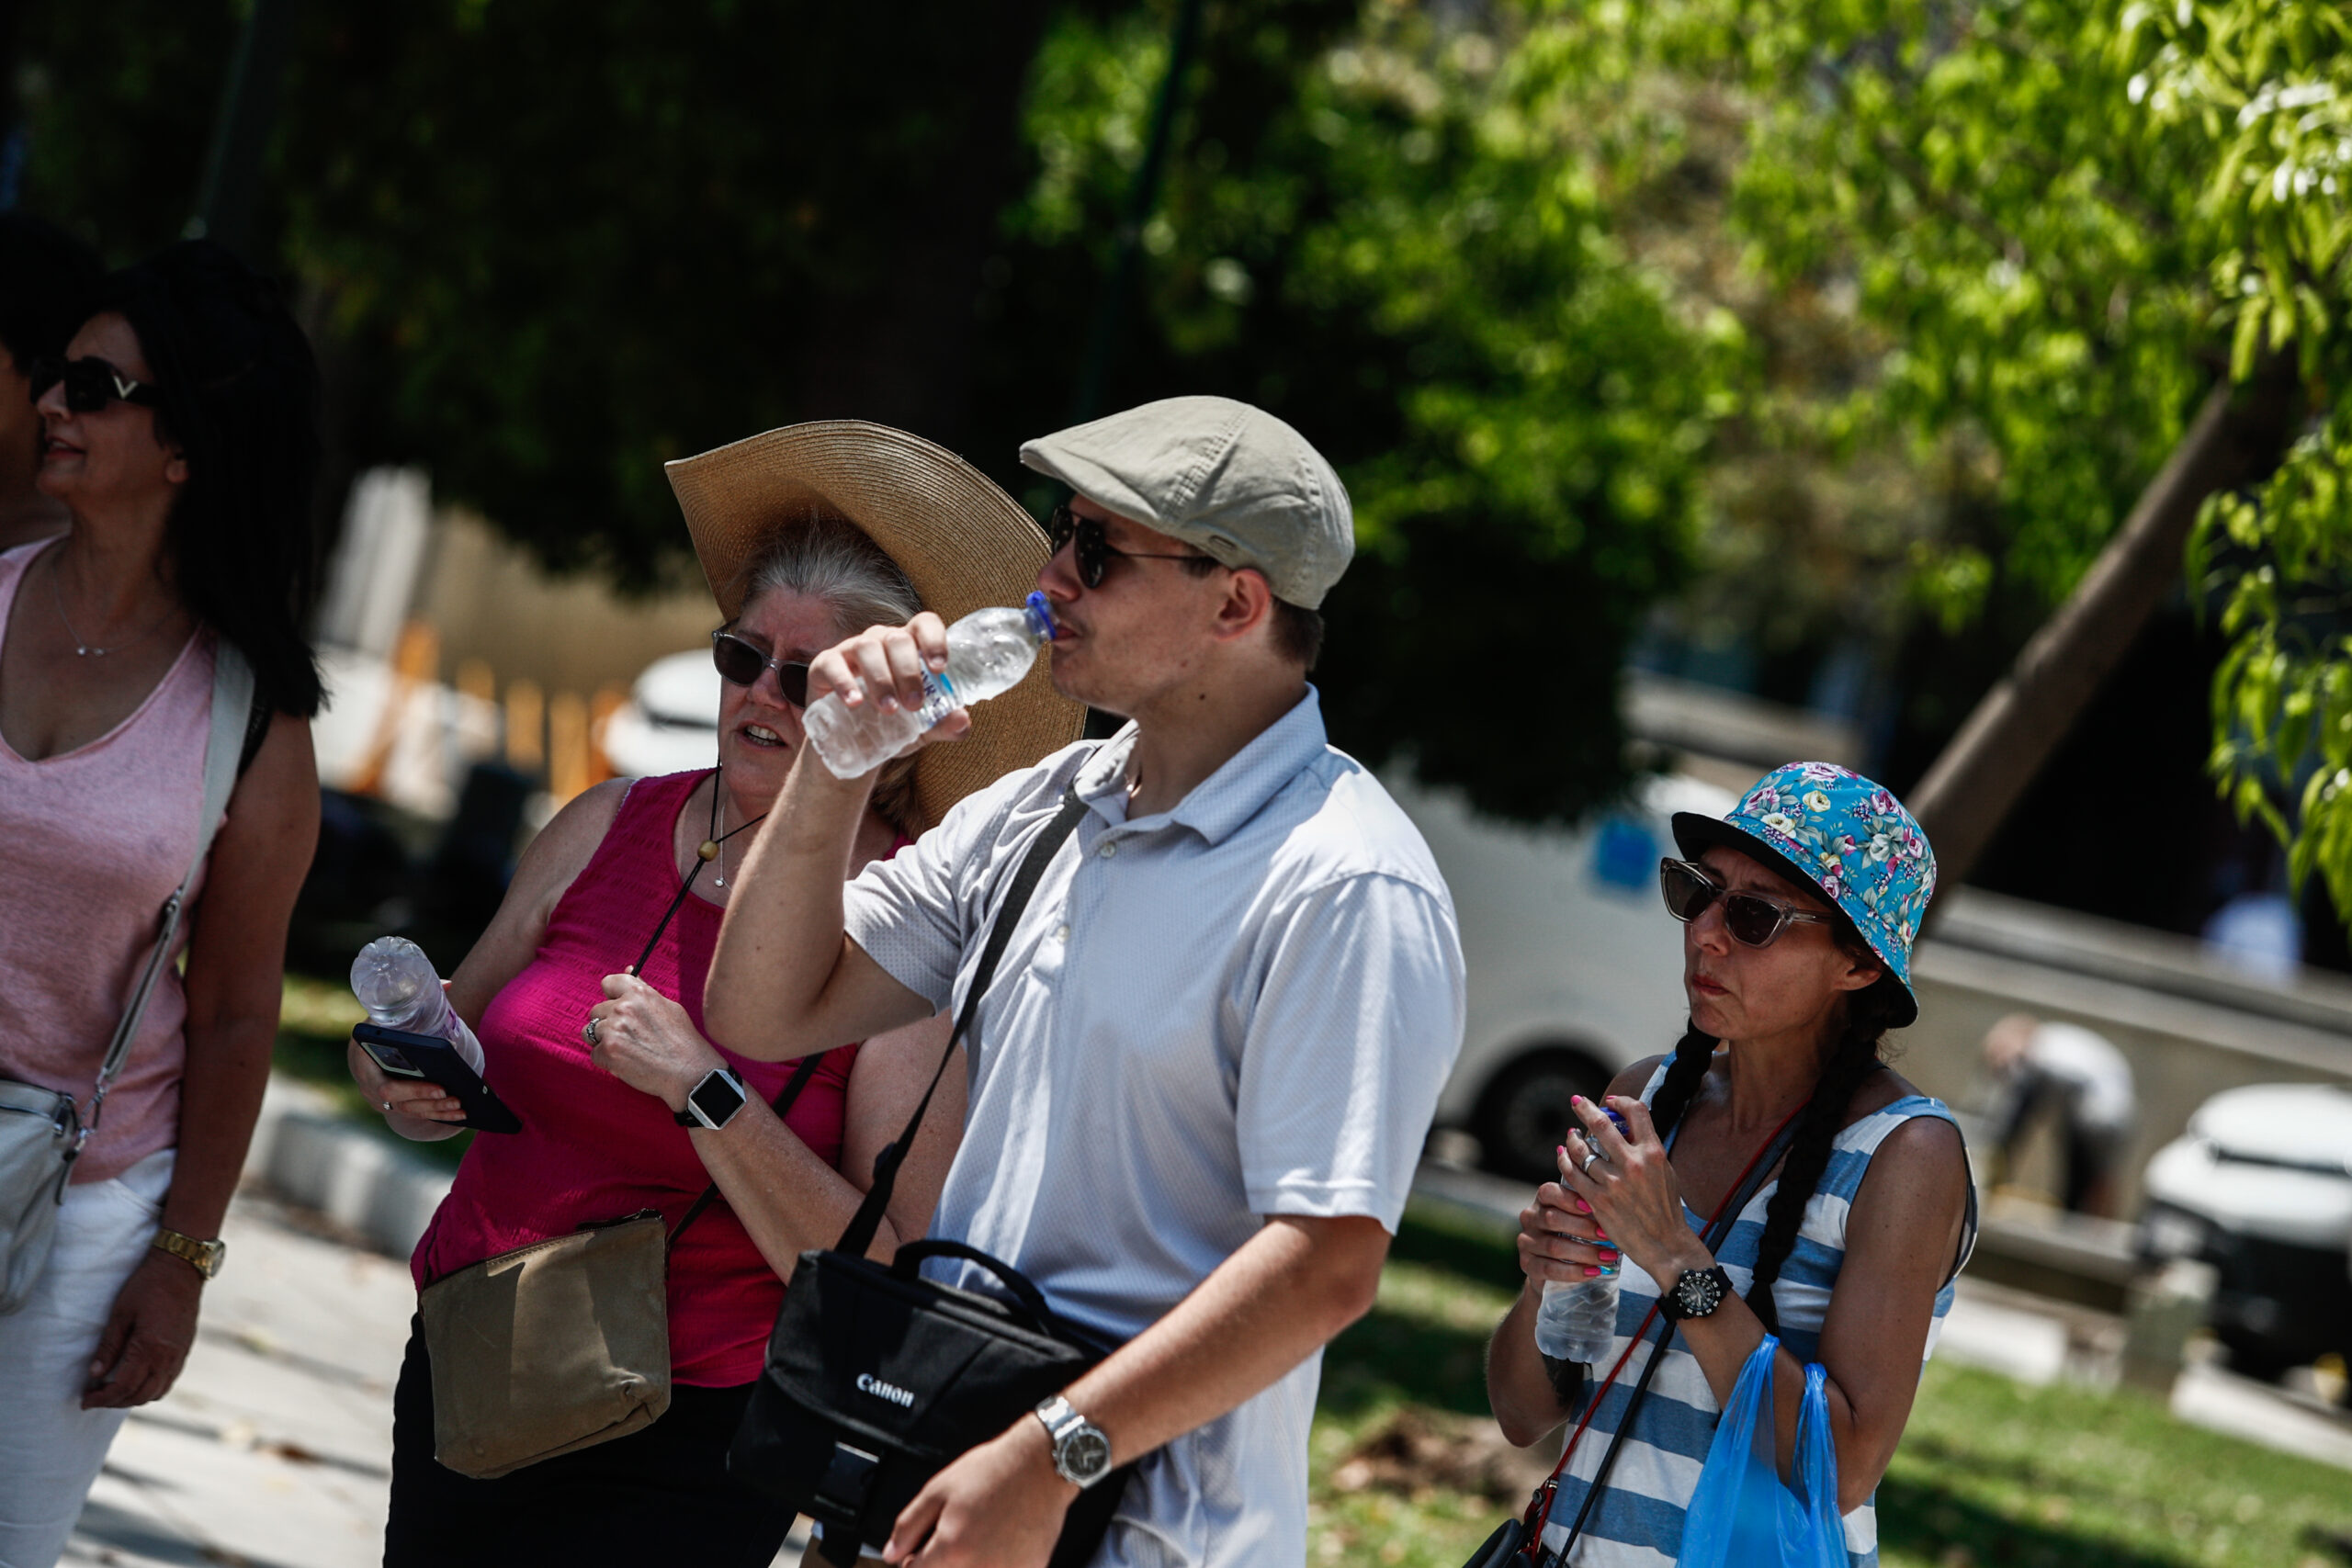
[(916, 218), (2237, 438)]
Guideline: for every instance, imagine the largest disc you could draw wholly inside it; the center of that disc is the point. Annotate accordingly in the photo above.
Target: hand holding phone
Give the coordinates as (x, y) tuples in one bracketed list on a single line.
[(428, 1058)]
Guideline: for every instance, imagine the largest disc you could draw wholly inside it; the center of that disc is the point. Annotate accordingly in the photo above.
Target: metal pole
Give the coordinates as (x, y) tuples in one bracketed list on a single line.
[(231, 185), (1109, 303)]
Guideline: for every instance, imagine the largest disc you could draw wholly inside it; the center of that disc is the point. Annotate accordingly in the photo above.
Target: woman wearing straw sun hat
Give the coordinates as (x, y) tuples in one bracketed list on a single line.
[(1798, 911), (586, 992)]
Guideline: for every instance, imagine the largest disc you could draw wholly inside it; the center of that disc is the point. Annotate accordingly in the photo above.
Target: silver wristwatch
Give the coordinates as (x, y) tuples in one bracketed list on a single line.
[(1081, 1452)]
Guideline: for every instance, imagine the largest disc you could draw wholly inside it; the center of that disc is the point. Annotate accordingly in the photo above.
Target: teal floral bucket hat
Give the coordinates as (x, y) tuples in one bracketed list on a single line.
[(1820, 823)]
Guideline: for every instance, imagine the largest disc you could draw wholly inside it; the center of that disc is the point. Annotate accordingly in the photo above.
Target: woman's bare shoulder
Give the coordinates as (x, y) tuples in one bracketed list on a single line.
[(571, 835), (1878, 1091), (1930, 1144)]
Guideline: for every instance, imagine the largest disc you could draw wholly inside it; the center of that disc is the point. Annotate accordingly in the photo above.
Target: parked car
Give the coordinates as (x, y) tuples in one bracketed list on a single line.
[(670, 724), (2260, 1187), (1574, 966)]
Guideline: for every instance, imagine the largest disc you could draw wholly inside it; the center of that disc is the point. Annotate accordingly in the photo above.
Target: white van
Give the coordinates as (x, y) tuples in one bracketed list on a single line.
[(1574, 966)]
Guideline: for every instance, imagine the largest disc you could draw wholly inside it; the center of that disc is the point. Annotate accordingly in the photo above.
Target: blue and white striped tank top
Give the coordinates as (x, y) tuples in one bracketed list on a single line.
[(1638, 1521)]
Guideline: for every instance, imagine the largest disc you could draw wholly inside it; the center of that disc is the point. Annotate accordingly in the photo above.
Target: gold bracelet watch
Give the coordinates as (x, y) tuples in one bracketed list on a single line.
[(204, 1257)]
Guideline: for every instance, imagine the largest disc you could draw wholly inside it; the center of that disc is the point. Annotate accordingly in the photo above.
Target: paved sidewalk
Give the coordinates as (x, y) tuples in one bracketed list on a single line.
[(272, 1451)]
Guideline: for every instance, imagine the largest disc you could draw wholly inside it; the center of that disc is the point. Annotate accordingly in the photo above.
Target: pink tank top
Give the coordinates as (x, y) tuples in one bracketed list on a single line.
[(91, 841), (592, 1148)]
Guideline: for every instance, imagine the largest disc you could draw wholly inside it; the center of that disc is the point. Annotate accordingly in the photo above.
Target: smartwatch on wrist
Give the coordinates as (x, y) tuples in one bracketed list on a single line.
[(1082, 1450), (713, 1102), (1697, 1292)]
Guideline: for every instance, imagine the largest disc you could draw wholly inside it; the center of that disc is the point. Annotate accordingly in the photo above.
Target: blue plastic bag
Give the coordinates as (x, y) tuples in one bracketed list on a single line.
[(1743, 1514)]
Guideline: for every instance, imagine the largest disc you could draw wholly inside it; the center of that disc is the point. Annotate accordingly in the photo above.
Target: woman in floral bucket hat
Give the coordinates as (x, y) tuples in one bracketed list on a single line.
[(1799, 911)]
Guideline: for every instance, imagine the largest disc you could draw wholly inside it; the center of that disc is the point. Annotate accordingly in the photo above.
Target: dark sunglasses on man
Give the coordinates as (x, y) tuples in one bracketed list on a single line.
[(1752, 918), (1094, 551), (743, 665), (90, 384)]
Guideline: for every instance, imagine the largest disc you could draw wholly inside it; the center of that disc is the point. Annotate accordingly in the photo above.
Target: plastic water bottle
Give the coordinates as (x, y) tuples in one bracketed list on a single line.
[(397, 984), (987, 652), (1577, 1322)]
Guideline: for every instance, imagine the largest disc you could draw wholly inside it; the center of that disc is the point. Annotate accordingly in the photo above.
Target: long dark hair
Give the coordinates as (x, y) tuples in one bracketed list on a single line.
[(240, 399), (1868, 1013)]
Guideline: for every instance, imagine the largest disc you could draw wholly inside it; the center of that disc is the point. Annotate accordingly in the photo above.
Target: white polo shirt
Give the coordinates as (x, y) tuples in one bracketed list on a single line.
[(1240, 1007)]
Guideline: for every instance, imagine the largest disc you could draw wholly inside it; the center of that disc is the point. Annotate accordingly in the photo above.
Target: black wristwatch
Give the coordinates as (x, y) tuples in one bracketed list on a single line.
[(713, 1102), (1081, 1449), (1697, 1293)]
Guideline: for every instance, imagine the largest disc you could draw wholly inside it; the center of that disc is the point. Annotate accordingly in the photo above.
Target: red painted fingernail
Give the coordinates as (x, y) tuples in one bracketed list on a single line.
[(1592, 1273), (1583, 1207), (1575, 1100), (1601, 1234)]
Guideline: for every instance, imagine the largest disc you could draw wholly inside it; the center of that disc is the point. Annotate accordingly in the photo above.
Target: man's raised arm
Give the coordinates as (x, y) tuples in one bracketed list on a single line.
[(785, 981)]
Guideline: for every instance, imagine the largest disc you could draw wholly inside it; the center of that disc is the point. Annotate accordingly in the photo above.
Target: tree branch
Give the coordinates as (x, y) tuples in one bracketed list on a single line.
[(2237, 438)]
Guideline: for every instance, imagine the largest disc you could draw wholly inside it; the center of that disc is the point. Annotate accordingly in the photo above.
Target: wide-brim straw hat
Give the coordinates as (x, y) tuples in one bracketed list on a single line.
[(963, 543)]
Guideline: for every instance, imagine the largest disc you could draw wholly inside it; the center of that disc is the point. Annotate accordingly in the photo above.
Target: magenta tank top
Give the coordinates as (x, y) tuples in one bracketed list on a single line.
[(91, 841), (592, 1148)]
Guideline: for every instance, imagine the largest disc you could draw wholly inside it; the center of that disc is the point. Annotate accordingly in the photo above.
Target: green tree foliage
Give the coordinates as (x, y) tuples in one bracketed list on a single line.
[(1394, 235), (1971, 176), (549, 246), (2064, 224), (2264, 91)]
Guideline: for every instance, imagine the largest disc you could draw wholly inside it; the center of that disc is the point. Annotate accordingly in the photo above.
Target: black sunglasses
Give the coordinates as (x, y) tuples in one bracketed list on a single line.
[(90, 384), (743, 665), (1750, 917), (1094, 547)]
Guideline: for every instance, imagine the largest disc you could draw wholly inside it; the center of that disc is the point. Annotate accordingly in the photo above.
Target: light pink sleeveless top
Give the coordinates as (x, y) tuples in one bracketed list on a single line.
[(91, 841)]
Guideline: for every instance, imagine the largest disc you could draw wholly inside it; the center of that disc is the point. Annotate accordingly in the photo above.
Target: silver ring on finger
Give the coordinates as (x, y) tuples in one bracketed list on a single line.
[(1586, 1168), (588, 1030)]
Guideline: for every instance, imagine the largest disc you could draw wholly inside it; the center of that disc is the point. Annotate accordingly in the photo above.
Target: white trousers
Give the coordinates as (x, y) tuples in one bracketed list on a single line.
[(50, 1448)]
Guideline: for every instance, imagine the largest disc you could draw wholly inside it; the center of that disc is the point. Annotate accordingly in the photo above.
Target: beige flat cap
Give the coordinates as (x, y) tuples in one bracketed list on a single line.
[(1223, 476)]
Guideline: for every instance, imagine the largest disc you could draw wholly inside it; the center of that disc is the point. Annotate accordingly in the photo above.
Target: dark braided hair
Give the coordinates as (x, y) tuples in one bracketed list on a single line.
[(1869, 1012)]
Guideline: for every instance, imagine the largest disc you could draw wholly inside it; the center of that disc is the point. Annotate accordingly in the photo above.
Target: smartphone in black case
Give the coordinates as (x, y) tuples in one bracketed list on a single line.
[(431, 1059)]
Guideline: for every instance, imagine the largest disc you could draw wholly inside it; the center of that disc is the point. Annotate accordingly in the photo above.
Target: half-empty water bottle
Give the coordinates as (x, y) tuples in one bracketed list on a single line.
[(987, 652), (1577, 1322), (398, 986)]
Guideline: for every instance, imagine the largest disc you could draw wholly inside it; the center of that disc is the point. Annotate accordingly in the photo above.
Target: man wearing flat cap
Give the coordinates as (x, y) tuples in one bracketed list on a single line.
[(1201, 1075)]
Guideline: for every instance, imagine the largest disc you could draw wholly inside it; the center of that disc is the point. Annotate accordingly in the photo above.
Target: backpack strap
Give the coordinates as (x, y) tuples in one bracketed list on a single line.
[(232, 701), (1042, 849)]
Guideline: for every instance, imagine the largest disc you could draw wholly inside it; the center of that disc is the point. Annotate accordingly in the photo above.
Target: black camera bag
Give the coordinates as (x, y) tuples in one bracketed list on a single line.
[(876, 1378)]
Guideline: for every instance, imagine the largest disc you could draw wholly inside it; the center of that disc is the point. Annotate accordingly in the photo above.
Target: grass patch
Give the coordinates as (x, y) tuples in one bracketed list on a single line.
[(1992, 1471), (314, 1024), (1989, 1473), (1424, 1342)]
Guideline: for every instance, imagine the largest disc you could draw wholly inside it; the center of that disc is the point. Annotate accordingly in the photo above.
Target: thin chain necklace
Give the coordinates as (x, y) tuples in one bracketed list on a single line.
[(715, 847), (82, 650)]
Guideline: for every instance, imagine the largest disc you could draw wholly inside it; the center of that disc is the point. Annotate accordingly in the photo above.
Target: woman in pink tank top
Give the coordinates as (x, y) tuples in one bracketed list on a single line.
[(606, 1129), (178, 435)]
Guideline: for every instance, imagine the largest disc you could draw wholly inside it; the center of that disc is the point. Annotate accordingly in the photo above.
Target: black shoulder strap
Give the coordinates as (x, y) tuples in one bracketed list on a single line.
[(1042, 849), (1714, 1237)]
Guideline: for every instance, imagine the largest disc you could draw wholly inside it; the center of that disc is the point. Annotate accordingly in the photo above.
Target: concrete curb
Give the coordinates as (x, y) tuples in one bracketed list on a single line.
[(308, 1154)]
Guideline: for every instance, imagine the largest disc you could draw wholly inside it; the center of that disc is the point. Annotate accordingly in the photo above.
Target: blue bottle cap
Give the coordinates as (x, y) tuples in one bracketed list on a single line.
[(1041, 614)]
